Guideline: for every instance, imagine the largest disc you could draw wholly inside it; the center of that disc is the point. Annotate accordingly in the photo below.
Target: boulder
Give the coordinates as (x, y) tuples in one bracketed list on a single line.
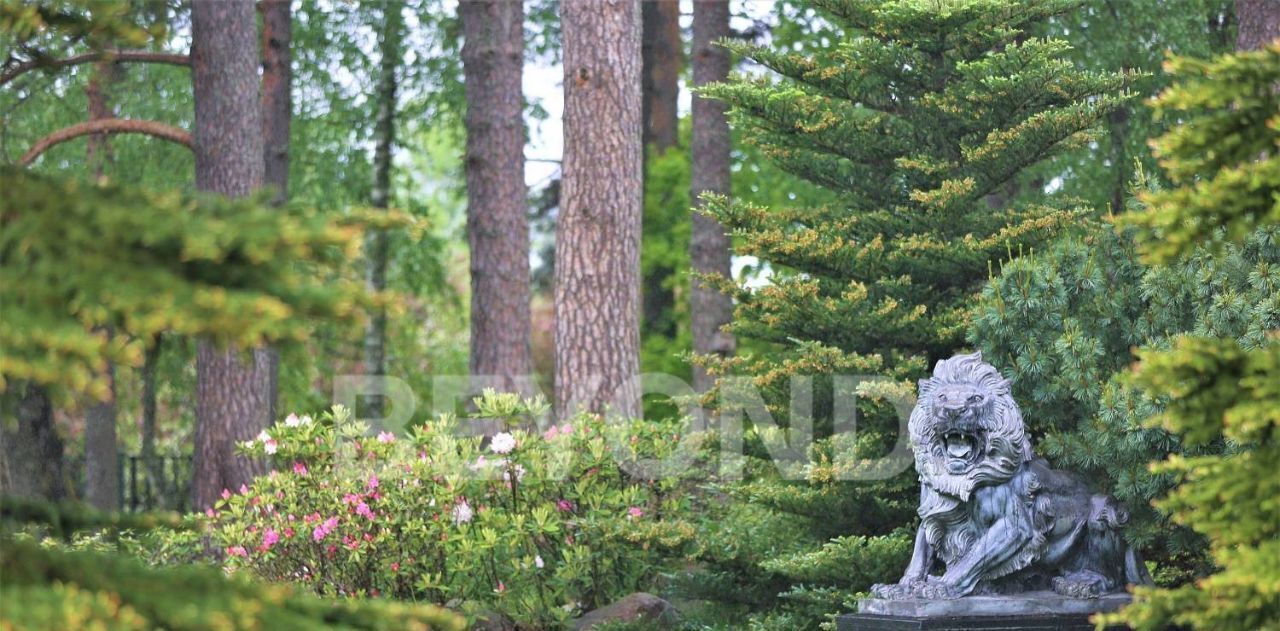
[(637, 607)]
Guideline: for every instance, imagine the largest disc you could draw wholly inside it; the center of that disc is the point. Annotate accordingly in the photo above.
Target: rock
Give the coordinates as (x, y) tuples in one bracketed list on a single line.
[(493, 621), (635, 607)]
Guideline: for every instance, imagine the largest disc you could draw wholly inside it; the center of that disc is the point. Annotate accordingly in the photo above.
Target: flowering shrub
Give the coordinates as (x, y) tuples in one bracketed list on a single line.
[(536, 525)]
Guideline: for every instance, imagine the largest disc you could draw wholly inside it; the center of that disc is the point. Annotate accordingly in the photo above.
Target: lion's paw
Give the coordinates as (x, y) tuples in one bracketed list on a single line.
[(1080, 584), (935, 589)]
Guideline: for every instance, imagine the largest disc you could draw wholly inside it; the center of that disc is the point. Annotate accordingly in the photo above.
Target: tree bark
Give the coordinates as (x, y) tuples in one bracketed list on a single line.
[(662, 57), (375, 339), (32, 453), (710, 309), (277, 98), (277, 112), (150, 458), (231, 390), (597, 271), (1258, 23), (497, 223), (101, 454)]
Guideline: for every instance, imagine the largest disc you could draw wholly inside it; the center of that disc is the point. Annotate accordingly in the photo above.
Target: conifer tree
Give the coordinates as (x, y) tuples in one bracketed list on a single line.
[(913, 117), (1224, 161)]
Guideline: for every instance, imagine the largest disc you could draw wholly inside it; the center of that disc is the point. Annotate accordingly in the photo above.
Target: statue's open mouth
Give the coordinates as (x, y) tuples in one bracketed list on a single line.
[(962, 449)]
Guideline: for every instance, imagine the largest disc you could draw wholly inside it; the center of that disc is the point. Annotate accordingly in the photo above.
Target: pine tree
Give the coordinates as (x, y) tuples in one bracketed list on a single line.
[(1224, 161), (914, 117), (1061, 325)]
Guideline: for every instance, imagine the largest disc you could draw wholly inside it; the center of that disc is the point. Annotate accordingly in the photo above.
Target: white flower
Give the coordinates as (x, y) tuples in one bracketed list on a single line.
[(462, 512), (263, 436), (506, 475), (293, 420), (537, 561), (270, 447), (503, 443)]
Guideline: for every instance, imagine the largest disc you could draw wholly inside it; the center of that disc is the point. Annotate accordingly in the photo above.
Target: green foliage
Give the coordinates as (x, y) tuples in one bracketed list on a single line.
[(1134, 35), (1061, 325), (91, 272), (1218, 390), (664, 264), (536, 526), (1224, 162), (915, 117), (55, 589)]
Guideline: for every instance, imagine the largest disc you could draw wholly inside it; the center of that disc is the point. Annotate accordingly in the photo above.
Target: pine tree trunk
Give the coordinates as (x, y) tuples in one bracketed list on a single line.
[(32, 450), (277, 112), (1258, 23), (375, 339), (101, 453), (710, 309), (662, 57), (277, 98), (497, 224), (232, 390), (597, 271), (150, 459)]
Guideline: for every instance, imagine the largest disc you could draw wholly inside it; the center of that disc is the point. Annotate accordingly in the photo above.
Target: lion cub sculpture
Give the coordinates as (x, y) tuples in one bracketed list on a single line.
[(995, 518)]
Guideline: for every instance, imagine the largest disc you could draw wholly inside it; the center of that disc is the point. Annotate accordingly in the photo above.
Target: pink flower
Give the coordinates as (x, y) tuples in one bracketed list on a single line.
[(364, 511), (237, 551), (270, 446), (373, 483), (551, 433), (635, 512), (226, 494), (350, 498), (566, 429), (269, 538), (244, 490), (386, 437), (299, 468), (324, 529), (350, 542), (395, 566), (502, 587), (209, 512), (564, 506), (288, 533)]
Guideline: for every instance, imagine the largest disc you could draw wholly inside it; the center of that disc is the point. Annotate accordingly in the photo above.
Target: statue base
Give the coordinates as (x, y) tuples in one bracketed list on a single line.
[(1040, 611)]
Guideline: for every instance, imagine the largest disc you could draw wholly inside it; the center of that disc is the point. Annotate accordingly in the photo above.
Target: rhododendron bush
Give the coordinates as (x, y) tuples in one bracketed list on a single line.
[(538, 525)]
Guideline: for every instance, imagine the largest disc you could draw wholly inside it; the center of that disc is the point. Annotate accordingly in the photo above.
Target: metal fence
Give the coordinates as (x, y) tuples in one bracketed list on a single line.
[(169, 488)]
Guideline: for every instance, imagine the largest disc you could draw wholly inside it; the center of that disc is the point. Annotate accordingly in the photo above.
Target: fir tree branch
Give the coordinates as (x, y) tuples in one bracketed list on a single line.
[(107, 126), (134, 56)]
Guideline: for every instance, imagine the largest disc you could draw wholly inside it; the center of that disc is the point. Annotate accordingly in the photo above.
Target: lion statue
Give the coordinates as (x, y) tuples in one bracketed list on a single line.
[(995, 518)]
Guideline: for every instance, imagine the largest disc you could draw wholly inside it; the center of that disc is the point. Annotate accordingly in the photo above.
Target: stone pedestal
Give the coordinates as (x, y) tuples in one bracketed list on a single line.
[(1039, 611)]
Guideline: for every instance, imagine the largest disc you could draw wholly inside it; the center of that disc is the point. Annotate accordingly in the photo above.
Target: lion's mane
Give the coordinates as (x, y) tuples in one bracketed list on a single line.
[(943, 494)]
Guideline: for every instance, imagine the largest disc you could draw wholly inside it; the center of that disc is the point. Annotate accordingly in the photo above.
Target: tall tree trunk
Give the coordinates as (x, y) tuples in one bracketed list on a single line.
[(101, 454), (32, 450), (150, 458), (662, 57), (1258, 23), (375, 339), (497, 224), (277, 111), (232, 390), (597, 271), (710, 309)]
